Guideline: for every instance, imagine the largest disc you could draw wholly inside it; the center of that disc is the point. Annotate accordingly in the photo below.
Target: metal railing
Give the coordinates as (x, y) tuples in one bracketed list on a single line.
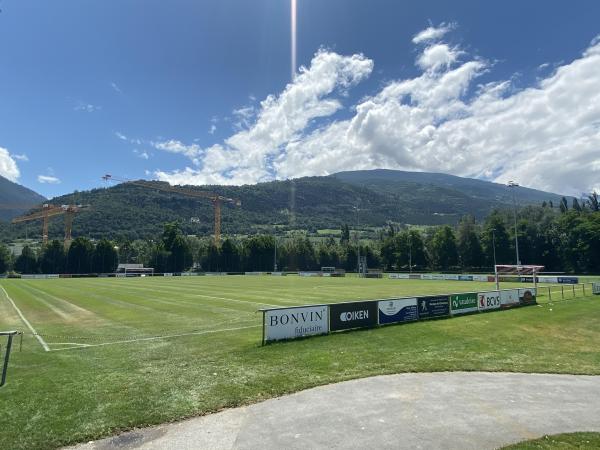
[(10, 335)]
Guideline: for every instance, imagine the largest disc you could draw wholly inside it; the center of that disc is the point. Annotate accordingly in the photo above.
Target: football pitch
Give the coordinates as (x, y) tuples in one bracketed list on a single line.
[(103, 355)]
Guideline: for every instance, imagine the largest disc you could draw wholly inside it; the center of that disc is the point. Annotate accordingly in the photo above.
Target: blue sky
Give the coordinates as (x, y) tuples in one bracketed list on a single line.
[(173, 90)]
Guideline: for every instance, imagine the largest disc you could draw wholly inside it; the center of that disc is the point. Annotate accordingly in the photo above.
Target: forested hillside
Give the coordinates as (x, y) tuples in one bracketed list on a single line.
[(15, 199), (309, 204)]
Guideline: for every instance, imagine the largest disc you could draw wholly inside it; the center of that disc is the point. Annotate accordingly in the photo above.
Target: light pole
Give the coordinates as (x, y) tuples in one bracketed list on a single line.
[(495, 268), (512, 185), (357, 242), (275, 257), (409, 252)]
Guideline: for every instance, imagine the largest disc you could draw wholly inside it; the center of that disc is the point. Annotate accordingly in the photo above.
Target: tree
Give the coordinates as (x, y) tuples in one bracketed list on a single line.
[(230, 256), (564, 207), (26, 262), (79, 256), (53, 257), (443, 249), (105, 258), (593, 202), (180, 257), (576, 205), (345, 237), (494, 231), (469, 246), (159, 258), (5, 259)]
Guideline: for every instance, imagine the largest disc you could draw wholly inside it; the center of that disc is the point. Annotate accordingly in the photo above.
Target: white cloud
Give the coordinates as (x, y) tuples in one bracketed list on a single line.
[(48, 179), (86, 107), (546, 136), (439, 56), (432, 33), (122, 137), (212, 129), (247, 156), (22, 157), (141, 154), (174, 146), (8, 166), (116, 88)]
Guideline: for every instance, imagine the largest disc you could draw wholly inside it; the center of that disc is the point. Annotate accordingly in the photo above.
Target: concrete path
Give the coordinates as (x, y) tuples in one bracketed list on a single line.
[(459, 410)]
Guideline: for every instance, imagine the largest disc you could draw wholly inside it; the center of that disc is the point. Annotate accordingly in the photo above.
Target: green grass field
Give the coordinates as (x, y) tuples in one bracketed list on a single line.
[(139, 351), (569, 441)]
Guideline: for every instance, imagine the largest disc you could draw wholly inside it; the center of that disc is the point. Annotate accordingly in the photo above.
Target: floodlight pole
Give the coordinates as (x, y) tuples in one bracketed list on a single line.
[(275, 257), (512, 185), (409, 252), (357, 243), (495, 265)]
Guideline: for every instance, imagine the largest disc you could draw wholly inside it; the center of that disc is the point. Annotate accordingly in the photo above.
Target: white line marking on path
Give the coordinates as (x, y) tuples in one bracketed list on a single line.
[(26, 322), (153, 338)]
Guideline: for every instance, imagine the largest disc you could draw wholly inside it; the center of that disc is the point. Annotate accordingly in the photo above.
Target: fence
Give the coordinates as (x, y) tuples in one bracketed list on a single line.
[(311, 320)]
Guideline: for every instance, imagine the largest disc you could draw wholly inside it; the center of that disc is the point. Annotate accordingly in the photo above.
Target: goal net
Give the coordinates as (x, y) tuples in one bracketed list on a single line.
[(517, 270)]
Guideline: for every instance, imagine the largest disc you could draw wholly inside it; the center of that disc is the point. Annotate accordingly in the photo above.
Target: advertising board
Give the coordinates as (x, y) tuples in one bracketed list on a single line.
[(399, 276), (465, 278), (434, 306), (290, 323), (463, 303), (397, 310), (452, 277), (480, 277), (427, 276), (527, 296), (596, 288), (488, 300), (509, 298), (438, 276), (345, 316), (415, 276), (568, 280)]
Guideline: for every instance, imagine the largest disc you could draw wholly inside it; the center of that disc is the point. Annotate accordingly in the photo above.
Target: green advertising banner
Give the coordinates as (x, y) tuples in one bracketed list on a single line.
[(463, 303)]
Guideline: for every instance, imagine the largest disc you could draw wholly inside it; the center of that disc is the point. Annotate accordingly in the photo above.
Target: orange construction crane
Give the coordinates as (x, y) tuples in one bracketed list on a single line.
[(47, 210), (216, 199)]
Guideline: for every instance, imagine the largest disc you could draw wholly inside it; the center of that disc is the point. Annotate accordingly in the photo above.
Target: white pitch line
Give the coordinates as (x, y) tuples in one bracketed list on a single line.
[(153, 338), (26, 322)]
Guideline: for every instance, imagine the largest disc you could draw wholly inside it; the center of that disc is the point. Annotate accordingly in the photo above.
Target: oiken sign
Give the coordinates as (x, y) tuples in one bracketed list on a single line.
[(295, 322)]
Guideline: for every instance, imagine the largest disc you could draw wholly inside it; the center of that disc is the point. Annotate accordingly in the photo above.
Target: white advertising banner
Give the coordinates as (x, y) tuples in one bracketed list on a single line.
[(451, 277), (293, 323), (399, 276), (488, 300), (480, 278), (509, 298)]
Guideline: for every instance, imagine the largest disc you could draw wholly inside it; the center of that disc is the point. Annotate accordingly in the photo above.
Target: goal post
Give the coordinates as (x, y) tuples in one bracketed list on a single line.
[(510, 269)]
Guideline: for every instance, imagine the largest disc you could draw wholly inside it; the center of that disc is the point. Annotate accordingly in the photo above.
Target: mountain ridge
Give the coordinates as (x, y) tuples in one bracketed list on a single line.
[(307, 203), (13, 194)]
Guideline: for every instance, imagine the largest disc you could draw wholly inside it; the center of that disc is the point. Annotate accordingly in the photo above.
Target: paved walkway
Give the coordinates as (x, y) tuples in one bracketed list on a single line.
[(459, 410)]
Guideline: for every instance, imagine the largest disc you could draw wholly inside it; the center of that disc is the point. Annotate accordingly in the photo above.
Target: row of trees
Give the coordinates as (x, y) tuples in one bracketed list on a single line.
[(560, 239), (82, 257)]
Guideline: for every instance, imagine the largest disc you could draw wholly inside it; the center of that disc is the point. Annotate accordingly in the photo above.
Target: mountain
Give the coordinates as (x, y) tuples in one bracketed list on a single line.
[(309, 203), (396, 181), (13, 194)]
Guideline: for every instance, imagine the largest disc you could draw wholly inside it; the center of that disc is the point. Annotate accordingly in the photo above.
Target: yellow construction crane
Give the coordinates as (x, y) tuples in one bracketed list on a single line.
[(46, 211), (216, 199)]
